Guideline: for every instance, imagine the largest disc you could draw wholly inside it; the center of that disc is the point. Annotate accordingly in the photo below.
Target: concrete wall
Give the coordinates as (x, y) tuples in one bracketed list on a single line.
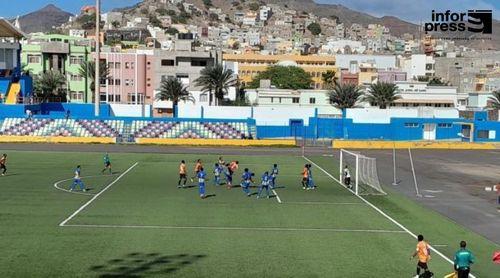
[(375, 115), (129, 110)]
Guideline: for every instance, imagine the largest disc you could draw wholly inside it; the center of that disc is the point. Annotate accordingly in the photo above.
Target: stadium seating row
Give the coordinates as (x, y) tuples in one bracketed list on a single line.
[(116, 128)]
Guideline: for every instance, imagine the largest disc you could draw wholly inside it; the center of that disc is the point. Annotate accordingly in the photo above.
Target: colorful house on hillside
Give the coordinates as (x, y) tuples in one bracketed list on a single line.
[(14, 85), (64, 54)]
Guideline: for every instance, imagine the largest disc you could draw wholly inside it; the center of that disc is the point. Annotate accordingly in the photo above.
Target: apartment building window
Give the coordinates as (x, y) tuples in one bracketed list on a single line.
[(198, 63), (411, 125), (118, 65), (131, 98), (312, 100), (111, 65), (76, 77), (132, 65), (167, 63), (76, 96), (111, 82), (127, 82), (118, 82), (295, 100), (131, 82), (76, 60), (444, 125), (34, 59), (127, 65), (102, 97)]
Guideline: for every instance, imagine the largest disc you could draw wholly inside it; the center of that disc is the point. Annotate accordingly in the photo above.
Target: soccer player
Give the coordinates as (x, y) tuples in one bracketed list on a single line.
[(463, 260), (232, 167), (305, 177), (310, 182), (221, 161), (3, 164), (217, 172), (201, 175), (274, 174), (229, 176), (265, 181), (182, 175), (424, 255), (78, 180), (197, 168), (347, 177), (107, 164), (246, 181)]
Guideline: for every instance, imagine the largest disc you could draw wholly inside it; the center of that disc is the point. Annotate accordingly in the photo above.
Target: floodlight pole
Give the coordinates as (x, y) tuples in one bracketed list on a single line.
[(97, 79)]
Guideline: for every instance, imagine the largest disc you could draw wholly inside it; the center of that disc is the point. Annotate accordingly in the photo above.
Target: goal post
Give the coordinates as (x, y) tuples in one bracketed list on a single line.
[(362, 173)]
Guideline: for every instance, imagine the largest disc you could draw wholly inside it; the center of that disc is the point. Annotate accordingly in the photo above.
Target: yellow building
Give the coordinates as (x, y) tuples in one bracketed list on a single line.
[(367, 74), (250, 64)]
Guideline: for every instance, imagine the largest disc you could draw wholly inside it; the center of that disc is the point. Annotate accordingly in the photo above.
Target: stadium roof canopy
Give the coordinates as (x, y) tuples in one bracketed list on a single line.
[(7, 30)]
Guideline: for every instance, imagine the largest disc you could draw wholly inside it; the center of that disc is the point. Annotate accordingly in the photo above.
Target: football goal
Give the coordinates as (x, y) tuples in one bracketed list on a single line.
[(359, 173)]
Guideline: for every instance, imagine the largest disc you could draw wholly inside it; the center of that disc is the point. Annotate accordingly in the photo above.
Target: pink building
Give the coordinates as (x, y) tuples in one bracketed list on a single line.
[(391, 76), (129, 81)]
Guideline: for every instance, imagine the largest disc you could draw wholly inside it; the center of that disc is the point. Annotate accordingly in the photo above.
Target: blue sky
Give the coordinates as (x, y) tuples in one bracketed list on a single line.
[(411, 10)]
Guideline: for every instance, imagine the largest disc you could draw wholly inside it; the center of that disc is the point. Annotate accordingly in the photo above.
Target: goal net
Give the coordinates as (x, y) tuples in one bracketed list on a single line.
[(359, 173)]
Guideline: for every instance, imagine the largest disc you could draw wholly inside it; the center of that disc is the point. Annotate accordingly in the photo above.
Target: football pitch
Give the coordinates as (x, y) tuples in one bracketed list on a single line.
[(137, 223)]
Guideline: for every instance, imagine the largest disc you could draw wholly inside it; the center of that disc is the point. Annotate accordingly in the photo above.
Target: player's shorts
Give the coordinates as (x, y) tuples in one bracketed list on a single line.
[(245, 184), (422, 265), (2, 166), (347, 181), (304, 179), (107, 164), (182, 176), (229, 178)]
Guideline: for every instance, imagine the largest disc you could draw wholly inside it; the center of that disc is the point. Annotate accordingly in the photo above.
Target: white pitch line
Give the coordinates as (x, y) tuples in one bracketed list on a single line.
[(96, 195), (323, 203), (75, 192), (235, 228), (277, 197), (384, 214)]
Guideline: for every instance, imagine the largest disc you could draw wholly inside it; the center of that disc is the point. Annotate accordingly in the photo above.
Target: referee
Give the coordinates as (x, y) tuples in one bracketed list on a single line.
[(463, 260)]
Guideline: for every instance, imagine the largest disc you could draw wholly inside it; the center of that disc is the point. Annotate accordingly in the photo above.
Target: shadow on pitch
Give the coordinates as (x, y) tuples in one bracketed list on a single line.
[(144, 264)]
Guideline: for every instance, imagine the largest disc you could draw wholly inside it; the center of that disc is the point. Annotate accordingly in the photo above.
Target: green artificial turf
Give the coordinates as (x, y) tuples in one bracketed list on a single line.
[(144, 226)]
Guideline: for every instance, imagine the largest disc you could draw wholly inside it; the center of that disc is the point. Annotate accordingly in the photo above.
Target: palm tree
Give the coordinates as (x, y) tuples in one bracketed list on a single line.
[(329, 79), (345, 96), (216, 79), (382, 94), (49, 84), (495, 99), (87, 70), (172, 89)]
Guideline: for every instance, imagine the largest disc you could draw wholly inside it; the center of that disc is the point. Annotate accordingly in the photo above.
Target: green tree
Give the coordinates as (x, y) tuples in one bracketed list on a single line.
[(382, 94), (154, 21), (115, 24), (329, 79), (172, 31), (495, 99), (207, 3), (213, 17), (87, 70), (162, 11), (254, 6), (144, 11), (314, 28), (171, 13), (216, 79), (49, 84), (345, 96), (173, 90), (436, 82), (284, 77)]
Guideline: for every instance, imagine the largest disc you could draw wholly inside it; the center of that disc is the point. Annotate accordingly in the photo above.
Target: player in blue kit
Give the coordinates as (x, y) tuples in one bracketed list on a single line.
[(310, 183), (78, 180), (229, 176), (265, 181), (274, 174), (246, 181), (217, 172), (201, 175)]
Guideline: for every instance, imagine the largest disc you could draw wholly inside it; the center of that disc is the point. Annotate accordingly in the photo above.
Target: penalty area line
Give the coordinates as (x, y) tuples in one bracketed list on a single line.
[(63, 223), (277, 196), (383, 213), (284, 229)]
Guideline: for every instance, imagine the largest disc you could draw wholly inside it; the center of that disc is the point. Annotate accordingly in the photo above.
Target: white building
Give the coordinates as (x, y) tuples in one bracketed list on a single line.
[(343, 46), (80, 33), (381, 62), (419, 94), (265, 13), (418, 65)]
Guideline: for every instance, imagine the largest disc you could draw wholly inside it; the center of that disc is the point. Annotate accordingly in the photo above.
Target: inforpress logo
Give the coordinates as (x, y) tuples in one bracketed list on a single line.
[(476, 21)]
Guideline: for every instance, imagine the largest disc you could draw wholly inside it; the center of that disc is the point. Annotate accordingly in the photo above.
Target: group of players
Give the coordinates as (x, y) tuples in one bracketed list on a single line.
[(225, 170)]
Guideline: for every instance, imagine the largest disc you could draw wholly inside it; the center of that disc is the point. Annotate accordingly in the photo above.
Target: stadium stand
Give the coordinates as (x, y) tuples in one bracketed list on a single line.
[(189, 129)]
